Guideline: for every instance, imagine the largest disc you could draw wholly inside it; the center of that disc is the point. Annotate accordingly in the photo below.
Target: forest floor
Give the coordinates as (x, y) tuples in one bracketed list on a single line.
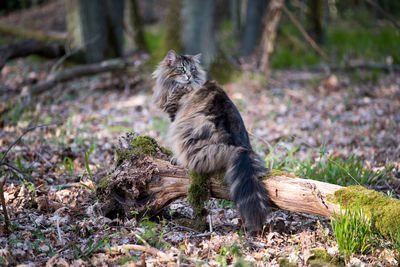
[(296, 116)]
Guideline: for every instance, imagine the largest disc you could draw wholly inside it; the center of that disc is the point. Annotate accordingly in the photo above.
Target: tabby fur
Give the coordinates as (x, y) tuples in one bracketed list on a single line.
[(207, 133)]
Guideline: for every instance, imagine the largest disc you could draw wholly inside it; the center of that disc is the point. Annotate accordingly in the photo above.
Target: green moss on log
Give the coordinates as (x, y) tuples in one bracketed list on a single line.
[(103, 183), (383, 211), (197, 193), (141, 145), (322, 258), (273, 173)]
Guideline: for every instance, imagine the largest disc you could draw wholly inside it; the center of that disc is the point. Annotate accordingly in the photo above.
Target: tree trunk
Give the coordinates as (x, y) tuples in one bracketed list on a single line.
[(271, 22), (198, 29), (235, 15), (316, 16), (172, 36), (252, 27), (96, 25), (134, 26)]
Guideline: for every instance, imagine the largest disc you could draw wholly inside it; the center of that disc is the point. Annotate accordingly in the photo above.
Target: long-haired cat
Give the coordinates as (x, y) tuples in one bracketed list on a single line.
[(207, 133)]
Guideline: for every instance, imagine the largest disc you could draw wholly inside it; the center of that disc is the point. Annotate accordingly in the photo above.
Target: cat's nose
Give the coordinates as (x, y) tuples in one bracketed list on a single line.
[(188, 75)]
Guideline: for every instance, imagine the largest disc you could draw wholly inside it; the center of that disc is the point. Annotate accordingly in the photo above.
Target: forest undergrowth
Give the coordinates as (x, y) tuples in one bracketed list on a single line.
[(328, 127)]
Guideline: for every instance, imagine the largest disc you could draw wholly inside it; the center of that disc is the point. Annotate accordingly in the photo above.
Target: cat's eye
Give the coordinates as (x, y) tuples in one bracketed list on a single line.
[(192, 69), (181, 69)]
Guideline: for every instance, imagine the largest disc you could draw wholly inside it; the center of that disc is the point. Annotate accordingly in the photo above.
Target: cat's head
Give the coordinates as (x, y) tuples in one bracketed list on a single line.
[(177, 70)]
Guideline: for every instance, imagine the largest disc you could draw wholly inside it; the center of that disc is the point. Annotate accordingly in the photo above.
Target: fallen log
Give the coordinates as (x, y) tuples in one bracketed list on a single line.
[(144, 180), (28, 47), (19, 32), (78, 72)]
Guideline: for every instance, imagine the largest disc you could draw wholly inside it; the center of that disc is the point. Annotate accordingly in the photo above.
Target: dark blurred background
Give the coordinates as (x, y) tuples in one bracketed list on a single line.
[(256, 34)]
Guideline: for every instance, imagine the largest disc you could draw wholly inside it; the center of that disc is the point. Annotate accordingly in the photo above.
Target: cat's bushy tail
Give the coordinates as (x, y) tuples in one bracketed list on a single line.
[(247, 191)]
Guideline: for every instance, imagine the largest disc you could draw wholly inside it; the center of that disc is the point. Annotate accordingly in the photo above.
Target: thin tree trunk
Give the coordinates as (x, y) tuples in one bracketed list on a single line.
[(316, 15), (198, 29), (252, 27), (134, 25), (271, 22), (102, 28)]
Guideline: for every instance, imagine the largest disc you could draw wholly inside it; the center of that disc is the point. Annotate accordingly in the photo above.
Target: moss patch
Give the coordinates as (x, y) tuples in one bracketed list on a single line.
[(284, 262), (322, 258), (383, 211), (141, 145), (273, 173), (103, 183), (198, 192)]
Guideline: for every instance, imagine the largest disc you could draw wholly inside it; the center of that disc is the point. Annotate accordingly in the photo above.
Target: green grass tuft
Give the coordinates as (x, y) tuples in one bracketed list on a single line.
[(353, 234)]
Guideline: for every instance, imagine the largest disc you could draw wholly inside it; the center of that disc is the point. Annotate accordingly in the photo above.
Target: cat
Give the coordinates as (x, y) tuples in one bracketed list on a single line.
[(208, 135)]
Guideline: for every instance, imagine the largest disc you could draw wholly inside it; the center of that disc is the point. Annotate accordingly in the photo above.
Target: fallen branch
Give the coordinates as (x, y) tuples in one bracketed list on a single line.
[(44, 37), (355, 66), (77, 72), (153, 251), (28, 47), (147, 184), (380, 9), (305, 34)]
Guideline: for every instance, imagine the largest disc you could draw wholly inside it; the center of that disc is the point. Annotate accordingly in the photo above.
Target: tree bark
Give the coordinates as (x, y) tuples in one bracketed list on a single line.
[(102, 28), (198, 29), (271, 22), (315, 19), (252, 27), (134, 26), (28, 47)]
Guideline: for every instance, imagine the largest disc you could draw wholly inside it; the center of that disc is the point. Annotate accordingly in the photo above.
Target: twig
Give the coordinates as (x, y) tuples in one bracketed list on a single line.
[(186, 229), (380, 9), (44, 159), (210, 223), (63, 186), (270, 147), (27, 130), (203, 234), (305, 34), (77, 72), (150, 250), (3, 203), (12, 167), (59, 231), (70, 53), (142, 240)]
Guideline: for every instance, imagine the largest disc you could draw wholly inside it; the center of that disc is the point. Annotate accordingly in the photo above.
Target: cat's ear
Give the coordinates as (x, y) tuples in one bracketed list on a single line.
[(170, 57), (196, 57)]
